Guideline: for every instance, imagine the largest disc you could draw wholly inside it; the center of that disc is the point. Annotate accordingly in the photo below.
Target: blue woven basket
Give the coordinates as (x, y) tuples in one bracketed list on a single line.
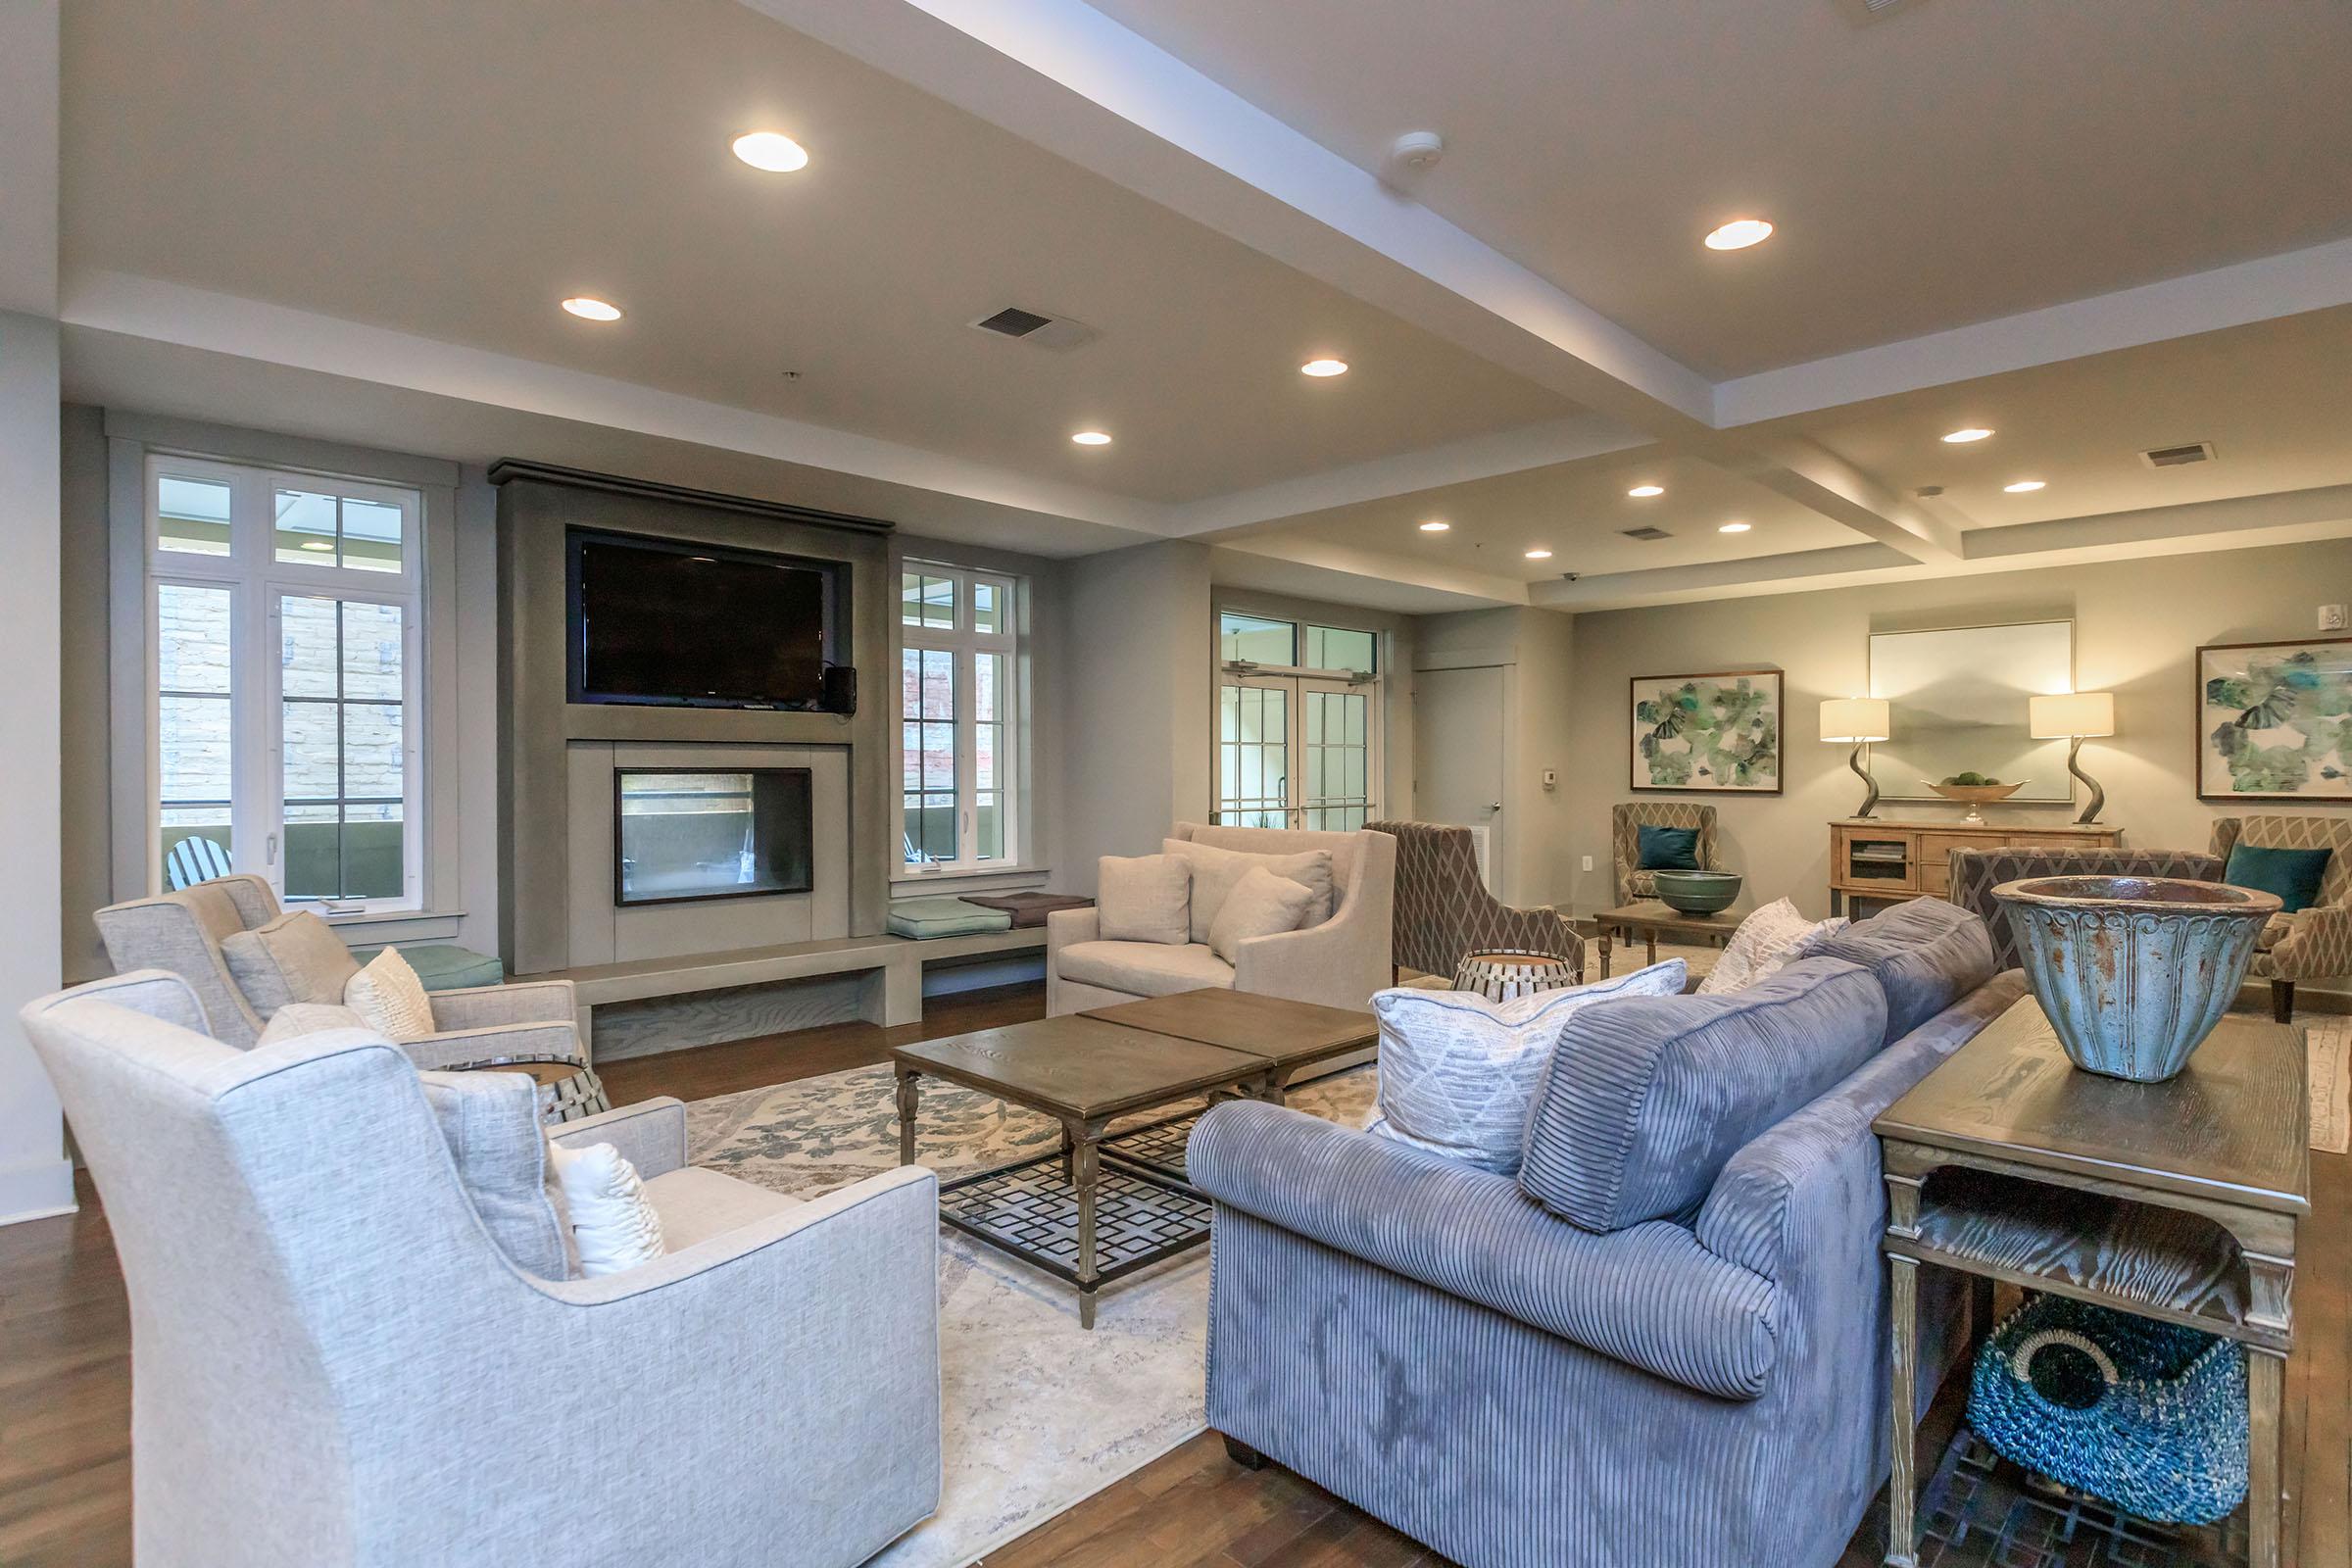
[(2149, 1417)]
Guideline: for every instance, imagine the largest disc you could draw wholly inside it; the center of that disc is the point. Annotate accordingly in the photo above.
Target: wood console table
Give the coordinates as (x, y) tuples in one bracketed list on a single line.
[(1890, 862), (2177, 1201)]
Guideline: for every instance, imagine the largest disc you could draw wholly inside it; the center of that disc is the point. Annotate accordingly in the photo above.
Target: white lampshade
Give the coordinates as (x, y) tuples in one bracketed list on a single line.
[(1856, 719), (2071, 713)]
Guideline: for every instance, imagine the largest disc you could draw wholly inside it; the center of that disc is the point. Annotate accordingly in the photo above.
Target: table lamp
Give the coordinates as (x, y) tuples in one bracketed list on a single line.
[(2070, 716), (1861, 720)]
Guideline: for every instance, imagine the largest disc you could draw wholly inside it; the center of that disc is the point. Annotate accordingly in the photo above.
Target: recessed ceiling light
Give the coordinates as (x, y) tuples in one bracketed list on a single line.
[(1538, 555), (1738, 234), (317, 544), (1735, 528), (588, 308), (1966, 434), (1092, 438), (1647, 490), (1435, 526), (772, 150), (1324, 368), (2024, 486)]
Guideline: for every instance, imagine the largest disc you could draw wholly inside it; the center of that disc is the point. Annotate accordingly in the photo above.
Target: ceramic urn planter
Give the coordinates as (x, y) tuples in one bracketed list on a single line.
[(2134, 971)]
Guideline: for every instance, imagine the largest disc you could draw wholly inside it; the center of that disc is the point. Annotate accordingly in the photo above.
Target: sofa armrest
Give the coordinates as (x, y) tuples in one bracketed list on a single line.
[(1066, 928), (459, 1048), (2319, 944), (525, 1002), (650, 1134), (1649, 1296), (1338, 963)]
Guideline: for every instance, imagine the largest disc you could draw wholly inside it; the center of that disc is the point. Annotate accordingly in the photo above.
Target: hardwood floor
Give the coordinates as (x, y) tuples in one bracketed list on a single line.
[(65, 1380)]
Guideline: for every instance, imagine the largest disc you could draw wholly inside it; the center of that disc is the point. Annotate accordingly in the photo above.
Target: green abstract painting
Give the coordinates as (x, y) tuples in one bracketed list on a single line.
[(1712, 732), (2275, 720)]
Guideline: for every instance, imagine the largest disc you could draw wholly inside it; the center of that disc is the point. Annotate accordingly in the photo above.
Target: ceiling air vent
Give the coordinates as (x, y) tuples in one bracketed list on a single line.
[(1859, 12), (1645, 534), (1056, 332), (2177, 456)]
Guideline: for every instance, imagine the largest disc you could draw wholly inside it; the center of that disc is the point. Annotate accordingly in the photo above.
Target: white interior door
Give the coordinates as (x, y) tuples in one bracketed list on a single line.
[(1457, 754)]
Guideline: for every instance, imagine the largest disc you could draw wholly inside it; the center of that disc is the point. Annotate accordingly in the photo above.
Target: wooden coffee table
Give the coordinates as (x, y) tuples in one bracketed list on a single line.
[(1650, 919), (1103, 1206)]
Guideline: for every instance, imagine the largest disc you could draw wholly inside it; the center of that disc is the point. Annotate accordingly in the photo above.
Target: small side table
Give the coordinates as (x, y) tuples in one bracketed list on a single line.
[(2177, 1201), (1651, 918)]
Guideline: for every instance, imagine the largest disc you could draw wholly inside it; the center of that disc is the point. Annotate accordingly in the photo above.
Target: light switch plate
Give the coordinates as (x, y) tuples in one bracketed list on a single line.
[(2332, 618), (1588, 863), (1551, 778)]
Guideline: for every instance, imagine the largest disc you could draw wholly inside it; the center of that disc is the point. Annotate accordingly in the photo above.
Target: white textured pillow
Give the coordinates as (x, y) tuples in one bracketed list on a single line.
[(1144, 898), (612, 1222), (298, 1018), (1260, 905), (1766, 942), (1458, 1073), (1217, 871), (391, 999)]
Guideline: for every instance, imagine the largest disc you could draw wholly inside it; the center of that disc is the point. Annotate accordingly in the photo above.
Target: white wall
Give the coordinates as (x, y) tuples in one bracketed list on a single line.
[(1536, 651)]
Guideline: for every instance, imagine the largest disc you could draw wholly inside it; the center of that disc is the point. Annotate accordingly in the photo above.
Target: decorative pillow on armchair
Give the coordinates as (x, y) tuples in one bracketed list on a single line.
[(1457, 1072), (1217, 871), (1144, 897), (1260, 905), (295, 958), (1766, 943), (1667, 849)]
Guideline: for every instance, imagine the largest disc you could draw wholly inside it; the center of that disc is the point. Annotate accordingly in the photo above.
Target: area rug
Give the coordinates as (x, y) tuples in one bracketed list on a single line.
[(1038, 1413)]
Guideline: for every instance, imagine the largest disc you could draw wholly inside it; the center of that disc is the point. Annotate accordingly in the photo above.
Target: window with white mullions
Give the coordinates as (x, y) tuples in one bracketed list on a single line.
[(1297, 740), (957, 721), (343, 687)]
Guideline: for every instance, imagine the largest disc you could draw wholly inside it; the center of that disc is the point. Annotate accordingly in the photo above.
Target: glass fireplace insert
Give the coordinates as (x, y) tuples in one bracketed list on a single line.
[(682, 834)]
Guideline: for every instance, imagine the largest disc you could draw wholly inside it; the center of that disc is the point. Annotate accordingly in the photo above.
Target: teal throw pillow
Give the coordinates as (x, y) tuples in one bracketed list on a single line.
[(2294, 874), (1669, 849)]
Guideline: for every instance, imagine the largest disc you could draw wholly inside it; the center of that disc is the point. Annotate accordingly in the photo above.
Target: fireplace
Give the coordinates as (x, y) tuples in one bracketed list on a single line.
[(689, 834)]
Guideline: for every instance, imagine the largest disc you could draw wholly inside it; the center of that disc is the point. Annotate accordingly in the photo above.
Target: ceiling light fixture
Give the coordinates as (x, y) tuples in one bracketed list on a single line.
[(1966, 434), (1324, 368), (1735, 528), (1738, 234), (2024, 486), (1092, 438), (317, 544), (1538, 555), (1646, 491), (772, 151), (1435, 526), (588, 308)]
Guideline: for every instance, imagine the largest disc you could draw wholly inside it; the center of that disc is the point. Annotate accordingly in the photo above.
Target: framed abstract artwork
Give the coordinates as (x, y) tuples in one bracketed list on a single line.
[(2273, 720), (1960, 698), (1717, 733)]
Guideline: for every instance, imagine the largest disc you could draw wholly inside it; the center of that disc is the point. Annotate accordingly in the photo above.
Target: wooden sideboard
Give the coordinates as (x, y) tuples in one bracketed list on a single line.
[(1877, 860)]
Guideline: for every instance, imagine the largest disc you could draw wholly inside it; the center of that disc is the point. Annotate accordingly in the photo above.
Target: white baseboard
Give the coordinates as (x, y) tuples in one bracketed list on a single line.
[(37, 1191)]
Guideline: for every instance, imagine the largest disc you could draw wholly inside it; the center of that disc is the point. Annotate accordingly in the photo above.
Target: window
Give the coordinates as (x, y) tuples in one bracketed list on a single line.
[(1297, 740), (286, 681), (956, 719)]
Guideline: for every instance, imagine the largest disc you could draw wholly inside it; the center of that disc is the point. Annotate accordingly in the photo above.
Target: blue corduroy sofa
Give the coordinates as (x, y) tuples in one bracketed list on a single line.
[(1664, 1341)]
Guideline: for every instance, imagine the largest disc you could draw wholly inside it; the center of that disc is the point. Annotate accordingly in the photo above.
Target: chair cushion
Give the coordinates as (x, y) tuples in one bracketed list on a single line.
[(1260, 905), (1143, 968), (490, 1121), (445, 967), (295, 958), (1667, 849), (1217, 871), (1927, 955), (1644, 1100), (696, 1205), (1766, 942), (2294, 875), (943, 918), (1457, 1072), (1144, 897)]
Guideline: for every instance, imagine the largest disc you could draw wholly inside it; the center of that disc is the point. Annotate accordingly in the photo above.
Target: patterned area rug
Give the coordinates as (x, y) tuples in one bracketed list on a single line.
[(1038, 1413)]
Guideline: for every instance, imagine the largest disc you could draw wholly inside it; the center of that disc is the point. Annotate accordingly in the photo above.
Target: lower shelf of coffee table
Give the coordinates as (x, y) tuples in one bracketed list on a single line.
[(1030, 1211)]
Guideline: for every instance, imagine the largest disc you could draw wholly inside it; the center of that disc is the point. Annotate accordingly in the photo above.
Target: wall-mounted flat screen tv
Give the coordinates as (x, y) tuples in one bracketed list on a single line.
[(657, 621)]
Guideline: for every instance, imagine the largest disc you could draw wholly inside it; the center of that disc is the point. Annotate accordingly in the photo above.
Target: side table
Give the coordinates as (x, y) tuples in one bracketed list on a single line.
[(2177, 1201)]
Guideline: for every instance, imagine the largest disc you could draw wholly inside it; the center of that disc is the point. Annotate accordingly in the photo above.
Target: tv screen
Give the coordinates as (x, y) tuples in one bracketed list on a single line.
[(667, 623)]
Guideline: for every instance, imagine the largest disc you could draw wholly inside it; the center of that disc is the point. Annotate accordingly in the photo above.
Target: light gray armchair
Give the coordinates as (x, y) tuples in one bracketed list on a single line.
[(334, 1365)]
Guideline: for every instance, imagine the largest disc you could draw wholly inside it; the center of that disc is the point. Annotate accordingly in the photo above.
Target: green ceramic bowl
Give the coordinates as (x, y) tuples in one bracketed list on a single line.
[(1697, 892)]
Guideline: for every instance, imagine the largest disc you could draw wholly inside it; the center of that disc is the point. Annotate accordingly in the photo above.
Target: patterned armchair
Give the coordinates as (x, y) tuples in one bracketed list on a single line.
[(1626, 821), (1444, 911), (2310, 944), (1976, 873)]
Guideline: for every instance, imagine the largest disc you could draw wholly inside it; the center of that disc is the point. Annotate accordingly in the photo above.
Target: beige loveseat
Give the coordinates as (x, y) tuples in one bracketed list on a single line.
[(1339, 962)]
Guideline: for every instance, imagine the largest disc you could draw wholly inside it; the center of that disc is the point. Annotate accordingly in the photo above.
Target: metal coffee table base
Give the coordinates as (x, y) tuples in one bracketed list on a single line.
[(1033, 1210)]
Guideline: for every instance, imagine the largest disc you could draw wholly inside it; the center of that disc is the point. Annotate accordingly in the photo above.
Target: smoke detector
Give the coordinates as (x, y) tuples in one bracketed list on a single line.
[(1861, 12), (2177, 456), (1412, 155), (1060, 333)]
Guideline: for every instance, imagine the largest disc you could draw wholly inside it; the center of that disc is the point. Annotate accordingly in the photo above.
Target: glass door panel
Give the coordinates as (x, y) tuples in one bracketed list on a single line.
[(1336, 747), (1254, 751)]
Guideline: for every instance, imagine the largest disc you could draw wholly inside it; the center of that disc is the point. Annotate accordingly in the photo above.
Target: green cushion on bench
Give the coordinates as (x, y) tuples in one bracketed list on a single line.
[(943, 918), (446, 966)]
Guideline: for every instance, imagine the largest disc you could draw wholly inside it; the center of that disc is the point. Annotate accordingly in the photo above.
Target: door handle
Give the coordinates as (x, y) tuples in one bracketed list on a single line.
[(1497, 807)]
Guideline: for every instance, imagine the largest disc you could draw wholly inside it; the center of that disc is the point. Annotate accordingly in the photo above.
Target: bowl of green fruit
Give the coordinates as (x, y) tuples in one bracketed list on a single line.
[(1975, 791)]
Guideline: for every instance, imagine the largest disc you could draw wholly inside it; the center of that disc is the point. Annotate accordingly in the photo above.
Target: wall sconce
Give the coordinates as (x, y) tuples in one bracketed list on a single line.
[(2071, 716), (1860, 720)]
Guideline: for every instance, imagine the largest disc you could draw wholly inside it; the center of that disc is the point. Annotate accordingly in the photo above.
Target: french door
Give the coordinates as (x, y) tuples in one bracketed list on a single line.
[(1296, 750)]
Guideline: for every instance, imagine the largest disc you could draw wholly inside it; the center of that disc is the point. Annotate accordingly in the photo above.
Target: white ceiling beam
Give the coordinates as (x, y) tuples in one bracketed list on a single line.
[(28, 143), (1372, 566), (2315, 278), (1660, 585), (2284, 509)]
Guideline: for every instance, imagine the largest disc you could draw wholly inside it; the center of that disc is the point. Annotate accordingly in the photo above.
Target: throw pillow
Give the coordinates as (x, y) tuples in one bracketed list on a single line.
[(388, 995), (490, 1121), (2294, 874), (1217, 871), (1457, 1072), (612, 1222), (1144, 897), (1925, 954), (1766, 942), (296, 1019), (1260, 905), (1668, 849), (295, 958)]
